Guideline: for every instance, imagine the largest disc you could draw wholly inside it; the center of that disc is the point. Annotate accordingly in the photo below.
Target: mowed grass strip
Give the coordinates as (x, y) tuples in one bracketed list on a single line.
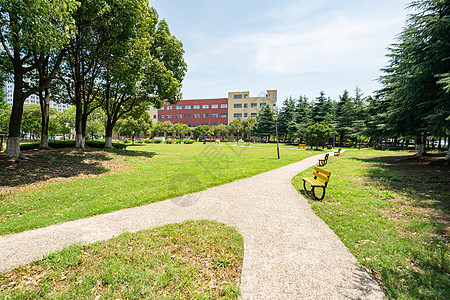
[(152, 173), (191, 260), (392, 217)]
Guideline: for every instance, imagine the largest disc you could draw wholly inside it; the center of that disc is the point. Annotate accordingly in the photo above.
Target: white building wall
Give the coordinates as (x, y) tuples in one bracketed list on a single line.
[(33, 99)]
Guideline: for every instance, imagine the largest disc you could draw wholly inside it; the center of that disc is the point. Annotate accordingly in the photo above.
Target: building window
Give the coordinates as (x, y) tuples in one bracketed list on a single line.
[(169, 107), (214, 105), (237, 105), (205, 116), (214, 124), (253, 105), (162, 108), (205, 106), (179, 116), (179, 107), (188, 124), (196, 106), (253, 115), (196, 124), (245, 105), (245, 115), (154, 116), (205, 124), (238, 96), (169, 117), (245, 96), (196, 116), (224, 115), (187, 107), (262, 104), (238, 115), (160, 117), (214, 115), (223, 105), (188, 116)]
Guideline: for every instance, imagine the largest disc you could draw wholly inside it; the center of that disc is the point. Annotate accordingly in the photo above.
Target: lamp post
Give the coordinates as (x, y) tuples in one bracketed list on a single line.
[(275, 117), (334, 135)]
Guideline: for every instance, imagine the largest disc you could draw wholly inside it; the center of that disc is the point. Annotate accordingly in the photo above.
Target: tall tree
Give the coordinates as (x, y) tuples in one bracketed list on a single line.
[(265, 124), (345, 118), (28, 28), (286, 124), (415, 80), (148, 69)]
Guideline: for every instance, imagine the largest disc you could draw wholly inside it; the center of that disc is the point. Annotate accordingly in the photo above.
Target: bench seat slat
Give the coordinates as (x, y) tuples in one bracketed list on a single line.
[(313, 182)]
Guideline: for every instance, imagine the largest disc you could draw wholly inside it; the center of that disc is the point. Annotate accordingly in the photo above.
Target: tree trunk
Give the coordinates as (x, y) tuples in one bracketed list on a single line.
[(108, 142), (45, 116), (447, 156), (420, 145), (13, 149), (108, 136)]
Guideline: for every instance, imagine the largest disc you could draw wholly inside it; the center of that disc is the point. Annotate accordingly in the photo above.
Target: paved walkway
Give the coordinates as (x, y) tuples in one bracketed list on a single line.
[(290, 253)]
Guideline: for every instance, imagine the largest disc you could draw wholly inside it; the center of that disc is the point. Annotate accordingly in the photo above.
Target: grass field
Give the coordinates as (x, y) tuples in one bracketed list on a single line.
[(191, 260), (142, 174), (391, 210)]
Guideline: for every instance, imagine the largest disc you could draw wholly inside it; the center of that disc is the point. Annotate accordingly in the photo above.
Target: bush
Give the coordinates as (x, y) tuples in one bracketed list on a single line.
[(140, 141), (177, 141), (157, 141), (170, 141), (58, 144), (126, 141), (149, 141), (188, 141)]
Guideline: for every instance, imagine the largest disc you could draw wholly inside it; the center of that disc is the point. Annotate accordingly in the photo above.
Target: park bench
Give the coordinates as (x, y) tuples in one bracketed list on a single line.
[(337, 152), (321, 174), (323, 161), (302, 145)]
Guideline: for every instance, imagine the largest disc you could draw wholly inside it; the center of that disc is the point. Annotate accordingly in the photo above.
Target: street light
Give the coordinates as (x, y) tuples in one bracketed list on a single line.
[(275, 117), (334, 135)]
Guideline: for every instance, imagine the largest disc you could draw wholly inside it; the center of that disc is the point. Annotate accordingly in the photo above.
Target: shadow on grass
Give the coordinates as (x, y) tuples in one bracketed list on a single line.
[(134, 153), (42, 165)]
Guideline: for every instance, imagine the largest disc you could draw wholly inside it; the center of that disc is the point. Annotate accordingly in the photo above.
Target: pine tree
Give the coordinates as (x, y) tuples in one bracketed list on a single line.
[(265, 124)]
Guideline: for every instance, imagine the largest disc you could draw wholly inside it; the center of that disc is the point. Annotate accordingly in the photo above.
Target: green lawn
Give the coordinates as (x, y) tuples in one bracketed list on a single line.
[(154, 172), (191, 260), (391, 211)]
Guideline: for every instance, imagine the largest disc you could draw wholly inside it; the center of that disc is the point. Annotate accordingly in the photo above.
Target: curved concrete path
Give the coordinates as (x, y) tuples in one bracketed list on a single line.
[(290, 253)]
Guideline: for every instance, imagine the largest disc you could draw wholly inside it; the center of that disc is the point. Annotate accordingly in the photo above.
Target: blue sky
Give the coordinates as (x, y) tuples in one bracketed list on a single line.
[(297, 47)]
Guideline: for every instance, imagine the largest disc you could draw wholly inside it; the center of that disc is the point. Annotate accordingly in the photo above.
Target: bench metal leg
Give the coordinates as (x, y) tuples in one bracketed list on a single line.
[(304, 186), (314, 193)]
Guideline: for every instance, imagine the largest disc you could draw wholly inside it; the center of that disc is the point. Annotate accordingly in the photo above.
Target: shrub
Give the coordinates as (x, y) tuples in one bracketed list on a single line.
[(170, 141), (177, 141), (126, 141), (149, 141), (29, 146), (188, 141), (140, 141), (217, 142)]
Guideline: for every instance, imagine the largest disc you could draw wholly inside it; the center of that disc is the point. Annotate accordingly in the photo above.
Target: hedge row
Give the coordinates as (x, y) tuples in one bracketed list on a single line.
[(70, 144)]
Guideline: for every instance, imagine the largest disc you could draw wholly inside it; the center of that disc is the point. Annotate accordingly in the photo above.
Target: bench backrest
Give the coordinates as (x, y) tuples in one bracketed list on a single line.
[(322, 174)]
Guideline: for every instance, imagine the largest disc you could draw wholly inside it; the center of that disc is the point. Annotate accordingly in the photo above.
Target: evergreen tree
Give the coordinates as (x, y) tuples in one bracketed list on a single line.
[(265, 124), (416, 80), (346, 118)]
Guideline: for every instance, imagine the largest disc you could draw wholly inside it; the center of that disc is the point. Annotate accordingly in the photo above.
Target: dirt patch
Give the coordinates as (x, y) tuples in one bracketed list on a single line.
[(43, 166)]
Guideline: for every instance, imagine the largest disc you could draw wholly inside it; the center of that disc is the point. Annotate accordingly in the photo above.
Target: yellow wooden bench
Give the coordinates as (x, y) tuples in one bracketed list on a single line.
[(302, 145), (337, 152), (321, 174), (323, 161)]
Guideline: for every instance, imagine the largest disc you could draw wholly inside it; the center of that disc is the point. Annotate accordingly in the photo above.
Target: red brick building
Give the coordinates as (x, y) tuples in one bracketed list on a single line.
[(211, 112)]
